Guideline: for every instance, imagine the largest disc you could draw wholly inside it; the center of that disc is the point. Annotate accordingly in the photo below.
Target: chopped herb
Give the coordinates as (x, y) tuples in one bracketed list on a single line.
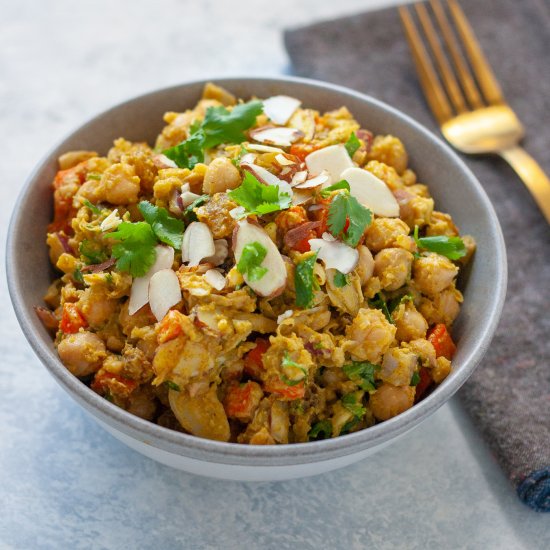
[(352, 144), (348, 426), (109, 278), (327, 191), (304, 281), (135, 252), (77, 276), (379, 303), (168, 229), (93, 252), (343, 209), (258, 198), (219, 126), (349, 401), (415, 379), (340, 279), (320, 430), (252, 256), (172, 385), (92, 207), (189, 213), (237, 160), (450, 247), (396, 302), (362, 372), (93, 176), (289, 365)]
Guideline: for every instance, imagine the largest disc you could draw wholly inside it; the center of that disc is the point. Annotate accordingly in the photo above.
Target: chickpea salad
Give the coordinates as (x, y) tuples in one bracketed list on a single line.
[(265, 274)]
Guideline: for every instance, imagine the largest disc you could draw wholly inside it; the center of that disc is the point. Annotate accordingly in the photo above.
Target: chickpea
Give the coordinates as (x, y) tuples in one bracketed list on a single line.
[(410, 324), (365, 267), (441, 370), (393, 267), (398, 366), (383, 233), (96, 307), (389, 401), (433, 273), (82, 353), (390, 150), (220, 176), (121, 184)]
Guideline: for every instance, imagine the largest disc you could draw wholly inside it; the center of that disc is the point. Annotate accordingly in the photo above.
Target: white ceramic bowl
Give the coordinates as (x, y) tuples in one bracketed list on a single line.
[(453, 186)]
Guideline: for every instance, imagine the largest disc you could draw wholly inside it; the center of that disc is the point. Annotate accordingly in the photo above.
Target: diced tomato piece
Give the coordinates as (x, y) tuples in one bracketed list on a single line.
[(170, 326), (424, 384), (241, 400), (302, 150), (253, 364), (279, 387), (442, 342), (303, 245), (71, 319), (113, 383)]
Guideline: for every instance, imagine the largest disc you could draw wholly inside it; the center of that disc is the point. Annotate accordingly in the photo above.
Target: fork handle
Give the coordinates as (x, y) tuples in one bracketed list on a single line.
[(532, 175)]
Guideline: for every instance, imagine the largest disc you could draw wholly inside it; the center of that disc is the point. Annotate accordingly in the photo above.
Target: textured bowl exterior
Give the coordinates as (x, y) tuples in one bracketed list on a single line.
[(453, 187)]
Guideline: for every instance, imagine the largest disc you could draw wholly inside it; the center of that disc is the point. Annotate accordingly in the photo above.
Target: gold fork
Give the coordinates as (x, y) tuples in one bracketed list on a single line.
[(474, 117)]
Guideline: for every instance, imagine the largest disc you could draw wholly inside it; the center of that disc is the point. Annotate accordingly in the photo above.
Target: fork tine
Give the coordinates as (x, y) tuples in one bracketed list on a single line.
[(435, 95), (466, 79), (484, 74), (447, 75)]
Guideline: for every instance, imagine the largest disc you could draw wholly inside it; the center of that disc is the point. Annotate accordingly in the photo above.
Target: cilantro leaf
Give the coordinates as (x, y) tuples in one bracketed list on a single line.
[(349, 401), (135, 252), (252, 256), (219, 126), (348, 426), (342, 184), (305, 282), (415, 379), (450, 247), (77, 276), (258, 198), (352, 144), (168, 229), (172, 385), (344, 210), (396, 302), (379, 303), (340, 279), (93, 252), (92, 207), (362, 372), (291, 367), (320, 430)]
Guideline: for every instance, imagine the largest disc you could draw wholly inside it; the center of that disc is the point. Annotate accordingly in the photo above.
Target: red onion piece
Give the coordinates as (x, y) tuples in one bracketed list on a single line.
[(367, 137), (299, 233), (97, 268), (64, 240), (48, 319)]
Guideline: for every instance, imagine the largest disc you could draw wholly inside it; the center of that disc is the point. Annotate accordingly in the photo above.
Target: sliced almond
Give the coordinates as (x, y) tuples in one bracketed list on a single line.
[(263, 148), (215, 279), (221, 252), (298, 177), (322, 179), (371, 191), (274, 135), (187, 198), (334, 159), (301, 196), (284, 161), (335, 254), (162, 161), (197, 243), (248, 158), (280, 108), (139, 295), (267, 178), (111, 221), (274, 281), (164, 292)]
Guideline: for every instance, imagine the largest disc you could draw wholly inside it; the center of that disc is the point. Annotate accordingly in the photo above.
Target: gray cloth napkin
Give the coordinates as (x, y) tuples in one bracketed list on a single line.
[(508, 396)]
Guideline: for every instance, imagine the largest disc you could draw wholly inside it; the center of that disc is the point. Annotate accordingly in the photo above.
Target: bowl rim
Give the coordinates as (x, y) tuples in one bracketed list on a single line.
[(227, 453)]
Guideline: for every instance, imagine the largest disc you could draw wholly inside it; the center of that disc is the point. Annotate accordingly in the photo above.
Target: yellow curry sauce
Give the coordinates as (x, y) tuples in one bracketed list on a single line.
[(265, 274)]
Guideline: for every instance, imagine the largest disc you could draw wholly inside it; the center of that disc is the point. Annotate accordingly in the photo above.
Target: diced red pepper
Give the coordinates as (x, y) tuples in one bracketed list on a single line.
[(302, 150), (442, 342), (241, 400), (424, 384), (253, 363), (71, 319), (303, 245), (116, 384), (170, 326), (279, 387)]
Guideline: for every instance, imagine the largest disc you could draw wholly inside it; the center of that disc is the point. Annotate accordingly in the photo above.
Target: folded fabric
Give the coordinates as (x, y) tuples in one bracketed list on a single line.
[(508, 396)]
